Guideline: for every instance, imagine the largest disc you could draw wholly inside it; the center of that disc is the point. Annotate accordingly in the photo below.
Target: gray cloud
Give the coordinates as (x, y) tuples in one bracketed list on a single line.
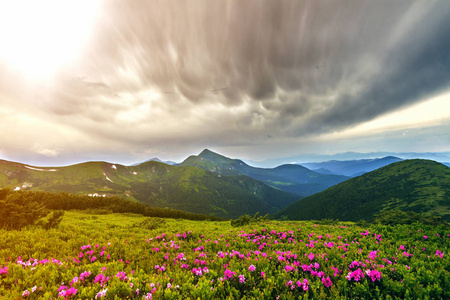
[(236, 72)]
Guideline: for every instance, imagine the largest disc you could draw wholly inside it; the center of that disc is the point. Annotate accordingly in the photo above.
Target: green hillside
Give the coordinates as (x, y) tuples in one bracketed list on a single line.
[(160, 185), (421, 186), (294, 179)]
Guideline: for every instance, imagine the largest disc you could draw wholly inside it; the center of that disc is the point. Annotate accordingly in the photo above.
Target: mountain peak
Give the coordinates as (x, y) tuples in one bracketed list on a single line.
[(206, 151), (208, 154)]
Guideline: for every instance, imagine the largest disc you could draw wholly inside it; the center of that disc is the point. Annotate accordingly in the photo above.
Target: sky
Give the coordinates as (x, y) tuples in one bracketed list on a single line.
[(125, 81)]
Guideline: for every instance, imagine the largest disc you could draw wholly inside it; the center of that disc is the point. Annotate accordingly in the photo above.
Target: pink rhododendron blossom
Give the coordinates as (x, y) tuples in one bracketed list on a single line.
[(356, 275), (327, 281), (101, 278), (85, 274), (122, 275), (252, 268), (241, 278), (228, 274), (373, 255), (439, 253), (25, 293), (304, 285), (374, 275), (101, 294)]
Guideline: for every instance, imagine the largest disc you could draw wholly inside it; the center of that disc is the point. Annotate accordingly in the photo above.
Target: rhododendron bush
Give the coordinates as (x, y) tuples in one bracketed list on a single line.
[(112, 257)]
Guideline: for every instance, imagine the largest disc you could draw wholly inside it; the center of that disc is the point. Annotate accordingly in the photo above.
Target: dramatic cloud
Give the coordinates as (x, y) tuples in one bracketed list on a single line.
[(157, 76)]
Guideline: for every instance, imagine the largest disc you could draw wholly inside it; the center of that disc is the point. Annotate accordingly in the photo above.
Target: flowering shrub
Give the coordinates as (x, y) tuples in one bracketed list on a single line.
[(213, 260)]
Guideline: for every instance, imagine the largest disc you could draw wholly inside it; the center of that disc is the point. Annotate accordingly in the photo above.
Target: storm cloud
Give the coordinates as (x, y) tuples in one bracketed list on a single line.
[(239, 73)]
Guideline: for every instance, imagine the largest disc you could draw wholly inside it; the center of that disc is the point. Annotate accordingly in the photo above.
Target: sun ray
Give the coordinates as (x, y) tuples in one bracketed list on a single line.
[(39, 37)]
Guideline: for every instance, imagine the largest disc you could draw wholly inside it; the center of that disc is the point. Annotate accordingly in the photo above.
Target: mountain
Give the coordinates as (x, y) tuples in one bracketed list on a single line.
[(157, 184), (168, 162), (422, 186), (441, 157), (351, 168), (290, 178)]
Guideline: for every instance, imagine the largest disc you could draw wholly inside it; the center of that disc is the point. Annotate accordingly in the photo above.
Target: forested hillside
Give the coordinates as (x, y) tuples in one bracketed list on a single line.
[(420, 186)]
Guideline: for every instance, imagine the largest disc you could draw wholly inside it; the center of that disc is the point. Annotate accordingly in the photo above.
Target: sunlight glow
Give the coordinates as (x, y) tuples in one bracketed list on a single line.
[(39, 37), (431, 112)]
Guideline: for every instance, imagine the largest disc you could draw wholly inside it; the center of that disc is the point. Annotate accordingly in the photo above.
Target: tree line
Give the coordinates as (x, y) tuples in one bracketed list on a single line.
[(19, 209)]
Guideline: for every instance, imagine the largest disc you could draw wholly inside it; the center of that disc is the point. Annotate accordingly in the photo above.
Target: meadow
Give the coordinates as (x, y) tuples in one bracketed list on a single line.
[(129, 256)]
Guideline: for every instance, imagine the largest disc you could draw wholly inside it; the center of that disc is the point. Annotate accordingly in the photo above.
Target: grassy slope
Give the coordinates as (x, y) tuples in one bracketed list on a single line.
[(421, 186), (135, 245), (185, 188)]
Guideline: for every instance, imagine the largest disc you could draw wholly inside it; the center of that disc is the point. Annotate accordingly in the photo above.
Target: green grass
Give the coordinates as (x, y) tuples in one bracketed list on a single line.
[(137, 247)]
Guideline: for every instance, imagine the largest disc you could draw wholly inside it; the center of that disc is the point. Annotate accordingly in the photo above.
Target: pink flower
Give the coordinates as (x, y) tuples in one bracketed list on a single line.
[(252, 268), (373, 254), (101, 294), (425, 237), (4, 270), (326, 281), (241, 278), (228, 274), (263, 274), (100, 278), (374, 275), (25, 293), (311, 256), (71, 291), (304, 285), (357, 275), (122, 276)]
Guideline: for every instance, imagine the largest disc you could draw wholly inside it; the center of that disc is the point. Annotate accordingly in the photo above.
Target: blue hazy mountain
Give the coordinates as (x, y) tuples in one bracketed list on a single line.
[(351, 168)]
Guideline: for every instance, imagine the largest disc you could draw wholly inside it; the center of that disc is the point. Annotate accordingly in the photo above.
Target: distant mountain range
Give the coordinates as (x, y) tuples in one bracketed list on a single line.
[(351, 168), (422, 186), (184, 188), (442, 157), (290, 178), (167, 162)]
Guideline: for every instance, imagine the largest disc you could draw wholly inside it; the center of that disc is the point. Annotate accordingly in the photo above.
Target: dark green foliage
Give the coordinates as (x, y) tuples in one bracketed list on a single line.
[(54, 219), (395, 217), (419, 186), (151, 223), (246, 220), (22, 208), (17, 212)]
